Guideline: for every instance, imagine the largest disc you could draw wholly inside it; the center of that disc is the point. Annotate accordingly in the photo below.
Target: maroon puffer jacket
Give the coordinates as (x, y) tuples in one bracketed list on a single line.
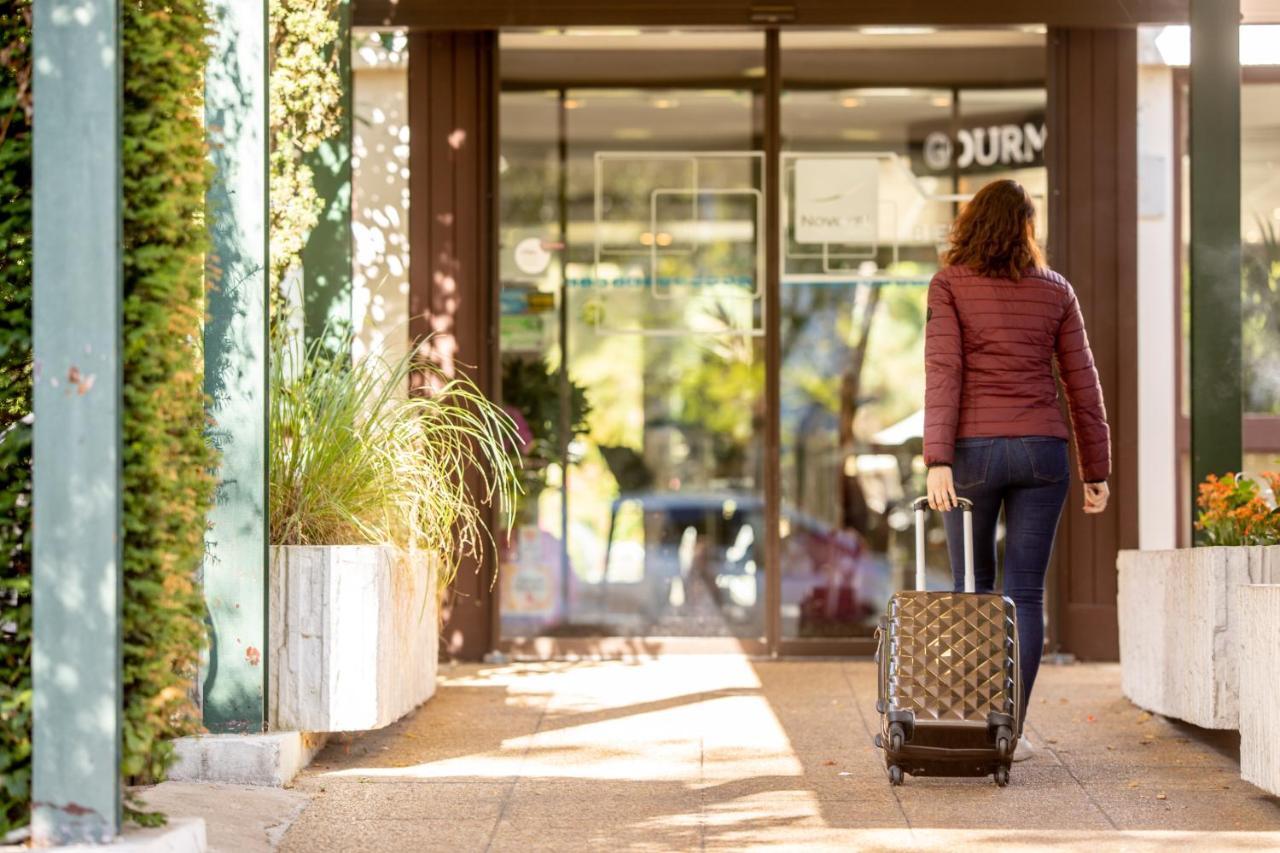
[(989, 349)]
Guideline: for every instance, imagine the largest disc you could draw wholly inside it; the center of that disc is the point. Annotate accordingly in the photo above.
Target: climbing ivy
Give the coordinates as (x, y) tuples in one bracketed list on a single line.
[(305, 110), (15, 409), (168, 486), (167, 461)]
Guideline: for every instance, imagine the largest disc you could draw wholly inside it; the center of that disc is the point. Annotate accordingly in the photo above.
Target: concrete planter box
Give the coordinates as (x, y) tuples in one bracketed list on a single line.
[(1259, 658), (354, 637), (1179, 628)]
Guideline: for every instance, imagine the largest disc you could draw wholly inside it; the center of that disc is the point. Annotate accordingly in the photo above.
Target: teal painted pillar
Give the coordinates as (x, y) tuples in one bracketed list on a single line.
[(233, 698), (1216, 376), (326, 257), (76, 562)]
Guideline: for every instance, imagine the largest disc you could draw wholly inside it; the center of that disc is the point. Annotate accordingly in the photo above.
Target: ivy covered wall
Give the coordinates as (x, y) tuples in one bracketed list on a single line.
[(167, 461), (15, 407)]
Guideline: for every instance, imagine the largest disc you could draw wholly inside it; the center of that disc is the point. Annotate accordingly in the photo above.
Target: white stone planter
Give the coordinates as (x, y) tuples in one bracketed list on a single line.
[(354, 637), (1258, 648), (1179, 628)]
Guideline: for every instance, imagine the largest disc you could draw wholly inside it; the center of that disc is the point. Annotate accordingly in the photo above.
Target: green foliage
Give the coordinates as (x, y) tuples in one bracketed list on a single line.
[(355, 459), (1260, 331), (15, 407), (167, 461), (532, 388), (305, 110)]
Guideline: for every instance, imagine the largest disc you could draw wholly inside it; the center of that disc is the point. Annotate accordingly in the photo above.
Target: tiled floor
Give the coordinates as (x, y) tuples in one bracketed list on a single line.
[(690, 753)]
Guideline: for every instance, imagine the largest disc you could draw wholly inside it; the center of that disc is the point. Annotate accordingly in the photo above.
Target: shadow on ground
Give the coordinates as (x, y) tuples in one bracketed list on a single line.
[(688, 752)]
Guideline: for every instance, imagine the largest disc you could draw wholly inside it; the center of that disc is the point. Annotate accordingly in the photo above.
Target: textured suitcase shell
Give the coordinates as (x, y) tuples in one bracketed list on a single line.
[(950, 689), (951, 656)]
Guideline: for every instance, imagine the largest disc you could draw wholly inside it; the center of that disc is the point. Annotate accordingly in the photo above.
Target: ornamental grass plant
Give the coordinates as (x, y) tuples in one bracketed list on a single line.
[(355, 459)]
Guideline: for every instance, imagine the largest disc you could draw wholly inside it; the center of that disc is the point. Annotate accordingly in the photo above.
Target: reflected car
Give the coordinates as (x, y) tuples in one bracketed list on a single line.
[(690, 562)]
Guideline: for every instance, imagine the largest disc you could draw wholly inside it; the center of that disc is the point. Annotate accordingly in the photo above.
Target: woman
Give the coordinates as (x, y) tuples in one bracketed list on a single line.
[(994, 431)]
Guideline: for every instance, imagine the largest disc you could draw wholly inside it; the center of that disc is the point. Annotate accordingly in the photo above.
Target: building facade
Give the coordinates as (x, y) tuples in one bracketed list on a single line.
[(689, 247)]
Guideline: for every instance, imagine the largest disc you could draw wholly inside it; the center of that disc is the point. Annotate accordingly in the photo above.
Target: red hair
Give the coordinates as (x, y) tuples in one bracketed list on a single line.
[(995, 233)]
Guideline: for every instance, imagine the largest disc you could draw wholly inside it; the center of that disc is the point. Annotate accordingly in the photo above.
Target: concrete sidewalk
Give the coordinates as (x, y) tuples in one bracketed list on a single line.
[(689, 753)]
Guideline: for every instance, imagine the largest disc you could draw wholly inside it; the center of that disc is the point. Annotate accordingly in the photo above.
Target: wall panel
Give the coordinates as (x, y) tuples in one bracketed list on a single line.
[(452, 237), (1092, 155)]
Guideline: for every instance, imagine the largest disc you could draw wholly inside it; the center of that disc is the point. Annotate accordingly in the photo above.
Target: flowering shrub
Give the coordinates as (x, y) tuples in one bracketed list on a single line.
[(1235, 511)]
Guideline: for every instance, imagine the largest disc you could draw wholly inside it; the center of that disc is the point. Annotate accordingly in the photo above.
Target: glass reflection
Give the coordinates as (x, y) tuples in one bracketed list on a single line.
[(897, 163), (657, 281)]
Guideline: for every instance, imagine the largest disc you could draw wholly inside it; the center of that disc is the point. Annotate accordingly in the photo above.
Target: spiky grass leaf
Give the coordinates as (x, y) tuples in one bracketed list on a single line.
[(356, 459)]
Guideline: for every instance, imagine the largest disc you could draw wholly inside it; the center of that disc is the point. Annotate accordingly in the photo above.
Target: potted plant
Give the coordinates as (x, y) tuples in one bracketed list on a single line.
[(1180, 629), (531, 561), (370, 511)]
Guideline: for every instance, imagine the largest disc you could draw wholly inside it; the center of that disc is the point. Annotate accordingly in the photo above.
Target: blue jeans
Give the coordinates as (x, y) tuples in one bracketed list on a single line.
[(1029, 478)]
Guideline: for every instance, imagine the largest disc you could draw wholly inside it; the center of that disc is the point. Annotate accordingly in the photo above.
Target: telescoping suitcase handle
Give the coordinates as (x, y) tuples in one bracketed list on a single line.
[(966, 505)]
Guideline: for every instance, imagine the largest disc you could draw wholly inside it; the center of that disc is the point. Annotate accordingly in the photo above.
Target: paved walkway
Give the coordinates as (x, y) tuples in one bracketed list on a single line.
[(691, 753)]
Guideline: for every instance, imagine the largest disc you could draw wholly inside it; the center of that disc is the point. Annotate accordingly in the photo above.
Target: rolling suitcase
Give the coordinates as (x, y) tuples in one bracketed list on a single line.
[(950, 697)]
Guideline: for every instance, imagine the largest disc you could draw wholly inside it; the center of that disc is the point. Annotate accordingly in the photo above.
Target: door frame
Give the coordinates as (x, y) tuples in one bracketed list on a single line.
[(1087, 549), (768, 90)]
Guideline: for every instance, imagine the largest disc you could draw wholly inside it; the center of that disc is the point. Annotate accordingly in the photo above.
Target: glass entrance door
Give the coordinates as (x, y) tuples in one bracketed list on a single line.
[(871, 178), (634, 329), (632, 324)]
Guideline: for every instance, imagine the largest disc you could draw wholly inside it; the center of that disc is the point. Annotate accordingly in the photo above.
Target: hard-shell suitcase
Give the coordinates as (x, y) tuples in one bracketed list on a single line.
[(950, 698)]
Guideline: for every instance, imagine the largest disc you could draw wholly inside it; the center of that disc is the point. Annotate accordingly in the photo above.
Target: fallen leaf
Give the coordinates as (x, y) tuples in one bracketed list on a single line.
[(1143, 717), (1051, 739), (1110, 748), (1133, 784), (1162, 796), (828, 763), (1091, 718)]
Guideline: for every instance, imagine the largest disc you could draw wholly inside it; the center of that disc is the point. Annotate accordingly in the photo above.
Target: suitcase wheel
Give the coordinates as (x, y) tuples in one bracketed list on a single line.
[(1004, 741), (896, 737), (1001, 776), (896, 777)]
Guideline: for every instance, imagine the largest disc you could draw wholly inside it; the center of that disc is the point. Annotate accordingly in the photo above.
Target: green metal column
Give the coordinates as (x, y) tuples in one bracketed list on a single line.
[(235, 566), (326, 257), (1216, 395), (77, 579)]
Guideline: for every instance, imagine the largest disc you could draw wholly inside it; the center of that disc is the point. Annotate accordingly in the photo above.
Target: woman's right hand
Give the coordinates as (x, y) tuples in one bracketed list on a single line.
[(1095, 497), (941, 489)]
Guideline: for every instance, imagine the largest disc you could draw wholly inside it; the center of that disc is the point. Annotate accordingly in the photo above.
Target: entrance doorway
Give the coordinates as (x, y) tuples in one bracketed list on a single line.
[(722, 374)]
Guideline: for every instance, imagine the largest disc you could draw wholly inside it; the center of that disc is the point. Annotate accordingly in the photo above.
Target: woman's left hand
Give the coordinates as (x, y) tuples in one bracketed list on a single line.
[(941, 489), (1095, 497)]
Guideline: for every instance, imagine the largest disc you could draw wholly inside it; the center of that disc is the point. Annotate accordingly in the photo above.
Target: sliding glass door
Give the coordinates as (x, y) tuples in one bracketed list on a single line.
[(634, 329)]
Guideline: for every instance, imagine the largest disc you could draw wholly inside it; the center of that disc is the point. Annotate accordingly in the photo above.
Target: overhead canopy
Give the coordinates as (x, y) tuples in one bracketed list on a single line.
[(501, 14)]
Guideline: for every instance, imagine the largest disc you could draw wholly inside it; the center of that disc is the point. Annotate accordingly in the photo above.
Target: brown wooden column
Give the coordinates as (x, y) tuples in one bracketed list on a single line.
[(453, 114), (1092, 157)]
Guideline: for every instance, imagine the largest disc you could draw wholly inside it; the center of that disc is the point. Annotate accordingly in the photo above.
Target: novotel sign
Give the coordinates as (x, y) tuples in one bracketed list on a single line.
[(1004, 143)]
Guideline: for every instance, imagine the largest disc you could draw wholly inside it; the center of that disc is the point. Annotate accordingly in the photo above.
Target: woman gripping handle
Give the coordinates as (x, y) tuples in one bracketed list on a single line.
[(1003, 331)]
